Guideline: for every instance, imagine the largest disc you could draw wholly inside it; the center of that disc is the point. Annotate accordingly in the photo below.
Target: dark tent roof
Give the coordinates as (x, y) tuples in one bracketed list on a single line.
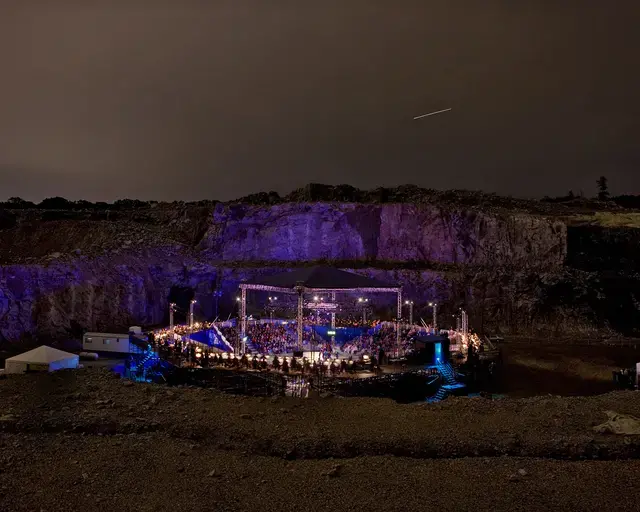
[(431, 338), (321, 277)]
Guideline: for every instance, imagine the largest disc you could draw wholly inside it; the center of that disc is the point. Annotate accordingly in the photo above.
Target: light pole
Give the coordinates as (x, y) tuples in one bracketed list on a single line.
[(434, 305), (172, 308), (316, 299), (271, 307), (465, 323), (410, 304), (299, 318), (238, 300), (363, 302), (191, 305), (333, 318), (463, 327)]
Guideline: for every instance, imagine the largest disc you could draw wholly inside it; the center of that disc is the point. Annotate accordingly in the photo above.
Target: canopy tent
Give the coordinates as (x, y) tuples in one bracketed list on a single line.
[(317, 279), (43, 358)]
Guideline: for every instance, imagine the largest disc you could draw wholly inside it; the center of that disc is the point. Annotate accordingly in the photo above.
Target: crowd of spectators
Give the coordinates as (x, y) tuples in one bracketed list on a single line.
[(281, 337), (276, 338), (231, 333), (182, 329), (381, 338)]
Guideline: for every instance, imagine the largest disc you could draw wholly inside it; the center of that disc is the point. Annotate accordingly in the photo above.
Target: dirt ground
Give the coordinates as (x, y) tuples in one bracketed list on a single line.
[(151, 473), (533, 368), (85, 440)]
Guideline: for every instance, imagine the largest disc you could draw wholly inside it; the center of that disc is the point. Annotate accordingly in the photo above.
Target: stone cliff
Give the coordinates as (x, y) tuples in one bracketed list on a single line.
[(390, 232), (64, 272)]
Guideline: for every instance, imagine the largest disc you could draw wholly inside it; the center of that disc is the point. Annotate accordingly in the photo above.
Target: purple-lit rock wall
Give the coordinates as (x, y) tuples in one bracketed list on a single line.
[(61, 277), (101, 293), (113, 293), (395, 232)]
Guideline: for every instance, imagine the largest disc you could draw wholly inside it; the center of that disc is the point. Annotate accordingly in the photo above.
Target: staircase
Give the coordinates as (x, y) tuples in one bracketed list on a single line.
[(450, 385), (143, 358), (447, 372), (145, 364), (439, 396), (251, 348)]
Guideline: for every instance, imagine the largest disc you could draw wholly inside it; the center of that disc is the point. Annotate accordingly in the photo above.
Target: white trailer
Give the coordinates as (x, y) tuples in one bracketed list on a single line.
[(106, 342)]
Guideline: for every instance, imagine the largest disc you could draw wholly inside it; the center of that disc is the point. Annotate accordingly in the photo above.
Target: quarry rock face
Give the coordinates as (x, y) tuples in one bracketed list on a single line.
[(63, 274), (395, 232)]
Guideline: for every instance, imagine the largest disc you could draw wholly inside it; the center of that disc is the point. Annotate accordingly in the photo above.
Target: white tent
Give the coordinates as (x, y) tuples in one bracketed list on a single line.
[(42, 358)]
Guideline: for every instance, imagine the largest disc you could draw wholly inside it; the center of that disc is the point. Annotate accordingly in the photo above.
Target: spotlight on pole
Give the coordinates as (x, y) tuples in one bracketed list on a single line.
[(434, 305), (410, 304)]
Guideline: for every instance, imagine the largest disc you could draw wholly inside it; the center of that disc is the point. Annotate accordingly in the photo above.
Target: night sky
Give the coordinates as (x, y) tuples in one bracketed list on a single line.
[(109, 99)]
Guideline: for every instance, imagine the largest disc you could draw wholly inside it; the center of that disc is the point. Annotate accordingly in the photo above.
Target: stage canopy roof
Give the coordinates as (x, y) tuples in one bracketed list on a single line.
[(319, 278)]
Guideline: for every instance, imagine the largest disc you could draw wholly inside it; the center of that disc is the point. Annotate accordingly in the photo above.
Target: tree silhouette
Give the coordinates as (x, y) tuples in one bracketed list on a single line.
[(55, 203), (603, 188), (129, 204), (18, 202)]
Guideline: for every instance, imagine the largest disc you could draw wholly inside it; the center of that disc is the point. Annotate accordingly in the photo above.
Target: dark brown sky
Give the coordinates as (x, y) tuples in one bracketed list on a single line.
[(108, 99)]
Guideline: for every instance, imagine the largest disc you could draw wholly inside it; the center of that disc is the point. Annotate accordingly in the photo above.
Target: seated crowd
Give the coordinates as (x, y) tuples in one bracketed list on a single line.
[(274, 338), (281, 338), (182, 329)]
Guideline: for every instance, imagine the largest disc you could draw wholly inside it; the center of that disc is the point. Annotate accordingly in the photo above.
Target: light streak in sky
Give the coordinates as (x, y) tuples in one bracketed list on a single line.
[(432, 113)]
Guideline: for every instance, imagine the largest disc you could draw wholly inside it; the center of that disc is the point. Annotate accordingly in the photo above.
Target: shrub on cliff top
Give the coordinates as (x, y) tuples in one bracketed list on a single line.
[(407, 194), (55, 203), (261, 198), (129, 204), (18, 202)]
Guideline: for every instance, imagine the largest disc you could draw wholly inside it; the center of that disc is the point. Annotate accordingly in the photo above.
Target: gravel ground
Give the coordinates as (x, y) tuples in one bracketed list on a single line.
[(149, 472), (86, 440)]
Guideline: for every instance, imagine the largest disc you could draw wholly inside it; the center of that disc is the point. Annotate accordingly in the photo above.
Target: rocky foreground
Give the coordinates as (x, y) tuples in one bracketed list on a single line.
[(86, 441)]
